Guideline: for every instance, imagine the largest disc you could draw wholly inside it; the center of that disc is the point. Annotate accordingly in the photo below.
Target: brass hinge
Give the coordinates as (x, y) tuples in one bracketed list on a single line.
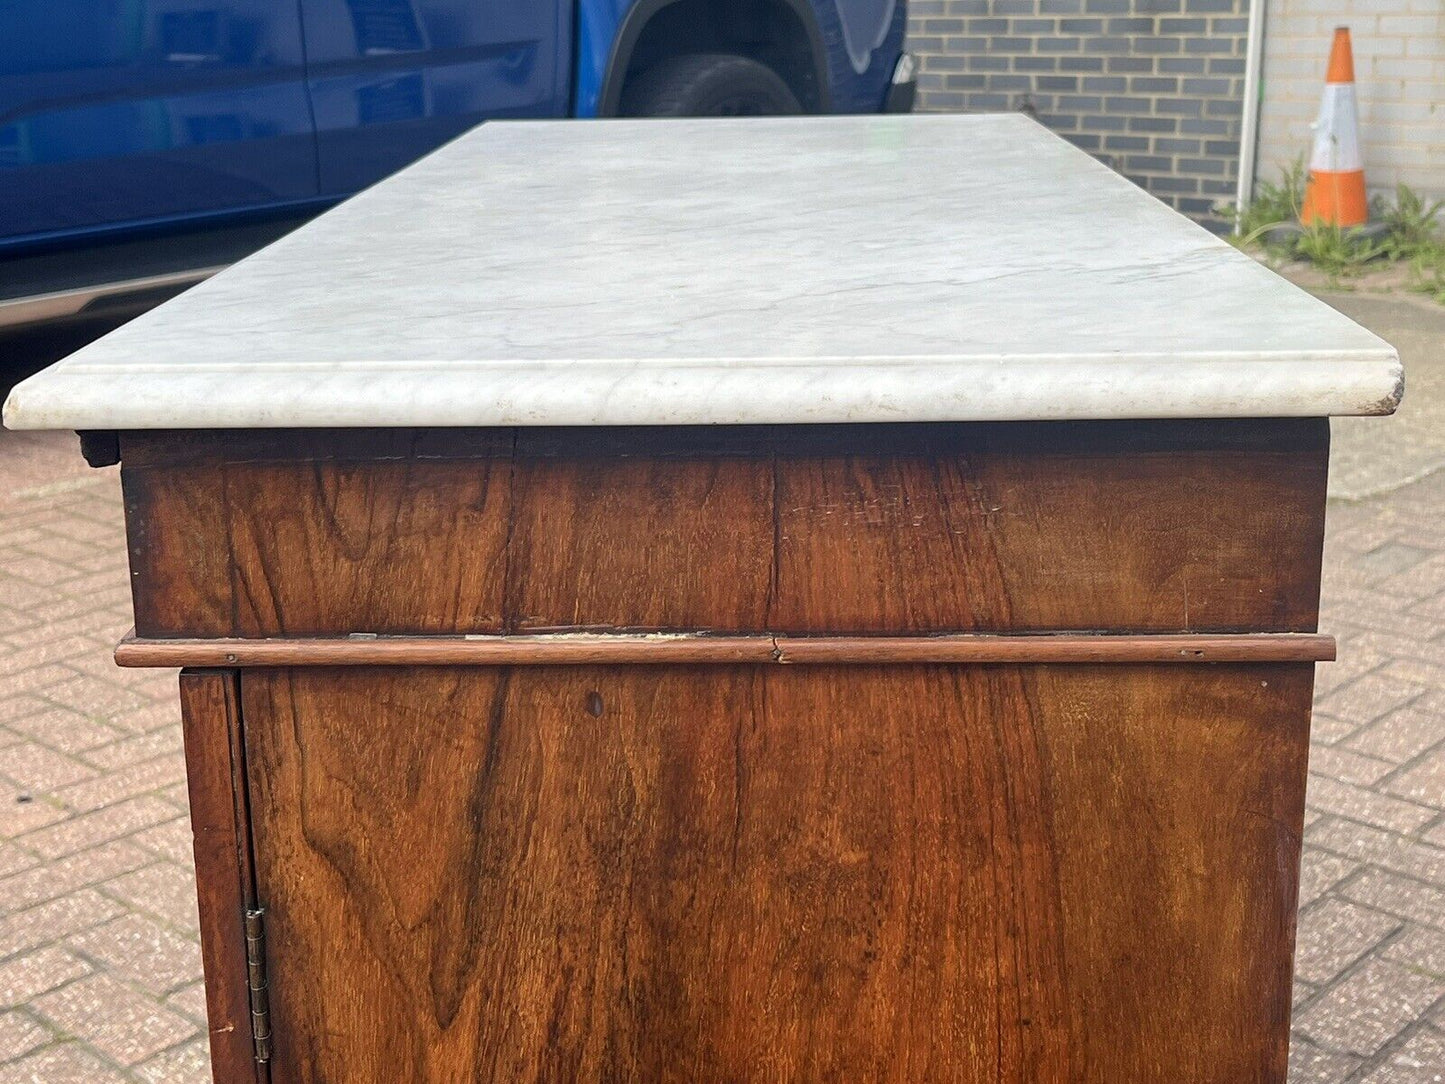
[(256, 982)]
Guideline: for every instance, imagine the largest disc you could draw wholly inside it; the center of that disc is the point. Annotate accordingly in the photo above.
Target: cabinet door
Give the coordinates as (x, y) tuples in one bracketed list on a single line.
[(115, 112), (392, 79), (724, 873)]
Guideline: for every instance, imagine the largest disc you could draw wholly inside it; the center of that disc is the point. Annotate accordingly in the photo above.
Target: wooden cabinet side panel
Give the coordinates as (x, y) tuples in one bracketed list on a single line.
[(210, 717), (977, 874), (1151, 527)]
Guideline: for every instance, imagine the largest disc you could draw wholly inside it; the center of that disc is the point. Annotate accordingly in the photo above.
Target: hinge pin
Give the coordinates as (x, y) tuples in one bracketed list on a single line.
[(256, 982)]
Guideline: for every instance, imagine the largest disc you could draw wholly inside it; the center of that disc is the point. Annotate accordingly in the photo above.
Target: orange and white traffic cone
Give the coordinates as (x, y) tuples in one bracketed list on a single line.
[(1335, 192)]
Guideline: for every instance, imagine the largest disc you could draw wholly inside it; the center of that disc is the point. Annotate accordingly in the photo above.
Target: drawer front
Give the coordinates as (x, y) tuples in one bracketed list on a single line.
[(1144, 526)]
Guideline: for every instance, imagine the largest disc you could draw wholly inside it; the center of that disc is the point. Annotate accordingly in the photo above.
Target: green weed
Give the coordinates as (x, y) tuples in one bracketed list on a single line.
[(1273, 205), (1427, 272), (1412, 223), (1413, 233), (1337, 252)]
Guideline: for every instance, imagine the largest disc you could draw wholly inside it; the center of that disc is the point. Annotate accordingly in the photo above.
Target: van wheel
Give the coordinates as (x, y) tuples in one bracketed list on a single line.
[(708, 85)]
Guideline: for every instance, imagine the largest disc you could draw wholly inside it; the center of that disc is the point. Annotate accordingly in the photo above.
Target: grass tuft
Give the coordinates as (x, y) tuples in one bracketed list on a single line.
[(1427, 272), (1274, 205), (1414, 229)]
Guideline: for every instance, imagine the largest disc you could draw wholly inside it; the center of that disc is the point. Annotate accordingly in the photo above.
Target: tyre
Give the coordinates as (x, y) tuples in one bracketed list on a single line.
[(708, 85)]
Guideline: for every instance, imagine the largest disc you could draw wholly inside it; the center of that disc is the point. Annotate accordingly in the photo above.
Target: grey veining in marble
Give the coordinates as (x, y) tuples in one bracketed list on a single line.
[(837, 269)]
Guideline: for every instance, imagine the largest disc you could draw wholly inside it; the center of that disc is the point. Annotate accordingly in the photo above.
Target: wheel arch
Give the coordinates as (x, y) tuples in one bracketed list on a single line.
[(649, 17)]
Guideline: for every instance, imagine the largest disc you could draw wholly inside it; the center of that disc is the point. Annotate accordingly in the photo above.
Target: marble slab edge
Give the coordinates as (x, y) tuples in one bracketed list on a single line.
[(712, 391)]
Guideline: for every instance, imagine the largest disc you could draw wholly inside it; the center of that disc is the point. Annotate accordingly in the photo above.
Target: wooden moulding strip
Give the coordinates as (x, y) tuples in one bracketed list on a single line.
[(571, 649)]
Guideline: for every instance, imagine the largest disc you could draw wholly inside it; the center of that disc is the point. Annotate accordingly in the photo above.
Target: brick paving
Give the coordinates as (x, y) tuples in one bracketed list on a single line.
[(99, 964)]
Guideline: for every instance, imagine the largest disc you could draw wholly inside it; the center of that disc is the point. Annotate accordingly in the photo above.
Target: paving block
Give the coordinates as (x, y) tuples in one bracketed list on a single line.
[(1310, 1065), (1366, 805), (19, 1035), (1400, 896), (1368, 1008), (1419, 1061), (121, 1023), (69, 1063), (1333, 934), (25, 977), (141, 951)]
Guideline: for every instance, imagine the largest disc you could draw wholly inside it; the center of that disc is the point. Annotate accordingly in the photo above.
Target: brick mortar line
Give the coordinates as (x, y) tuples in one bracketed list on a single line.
[(41, 556), (1297, 1042), (1339, 742), (61, 1036), (155, 860), (1400, 1039), (94, 886), (1435, 599), (28, 853), (84, 754), (1430, 827), (1344, 975), (40, 664), (1405, 766), (1378, 794), (1372, 950), (117, 974), (184, 933), (1366, 864), (54, 704), (39, 689)]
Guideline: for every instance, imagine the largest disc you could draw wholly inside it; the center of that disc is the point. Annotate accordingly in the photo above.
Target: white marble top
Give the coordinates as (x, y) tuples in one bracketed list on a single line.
[(842, 269)]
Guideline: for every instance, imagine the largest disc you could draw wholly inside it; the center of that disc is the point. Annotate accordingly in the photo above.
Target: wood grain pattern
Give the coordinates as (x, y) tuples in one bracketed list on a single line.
[(1092, 538), (616, 542), (210, 717), (575, 649), (1057, 649), (261, 546), (902, 873), (1145, 527)]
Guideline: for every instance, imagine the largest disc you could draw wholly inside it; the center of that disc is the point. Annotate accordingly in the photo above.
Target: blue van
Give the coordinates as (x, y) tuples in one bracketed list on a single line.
[(210, 126)]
